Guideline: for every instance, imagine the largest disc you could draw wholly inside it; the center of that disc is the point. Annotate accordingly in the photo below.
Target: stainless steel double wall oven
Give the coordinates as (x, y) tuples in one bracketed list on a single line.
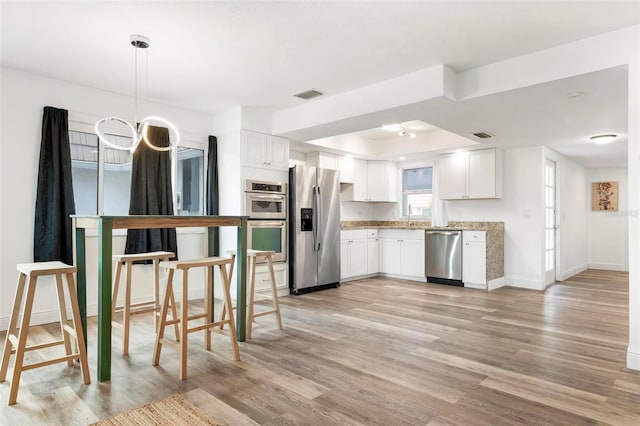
[(266, 205)]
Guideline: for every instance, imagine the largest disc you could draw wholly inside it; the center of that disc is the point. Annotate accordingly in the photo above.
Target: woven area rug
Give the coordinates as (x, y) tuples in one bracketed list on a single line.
[(174, 410)]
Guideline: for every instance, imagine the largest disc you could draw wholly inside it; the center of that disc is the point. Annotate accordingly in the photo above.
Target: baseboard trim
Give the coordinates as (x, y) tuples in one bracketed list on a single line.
[(497, 283), (609, 266), (358, 277), (525, 283), (633, 360), (573, 271), (475, 286), (404, 277)]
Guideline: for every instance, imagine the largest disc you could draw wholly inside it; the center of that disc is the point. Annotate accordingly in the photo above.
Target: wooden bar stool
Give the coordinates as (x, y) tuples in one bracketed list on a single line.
[(252, 258), (209, 324), (16, 342), (142, 307)]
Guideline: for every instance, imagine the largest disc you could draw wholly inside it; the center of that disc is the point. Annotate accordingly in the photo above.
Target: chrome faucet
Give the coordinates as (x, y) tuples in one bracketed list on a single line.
[(409, 216)]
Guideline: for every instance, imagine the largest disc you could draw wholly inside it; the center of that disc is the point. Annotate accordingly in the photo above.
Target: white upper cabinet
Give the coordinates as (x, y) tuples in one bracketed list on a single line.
[(453, 176), (471, 175), (372, 181), (323, 160), (345, 165), (265, 151)]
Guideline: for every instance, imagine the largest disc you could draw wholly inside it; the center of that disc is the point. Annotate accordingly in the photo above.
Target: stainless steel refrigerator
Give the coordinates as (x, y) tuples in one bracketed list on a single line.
[(314, 229)]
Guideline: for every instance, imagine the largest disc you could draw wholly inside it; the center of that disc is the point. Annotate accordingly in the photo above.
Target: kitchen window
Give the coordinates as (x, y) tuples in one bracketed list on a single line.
[(417, 192), (102, 183)]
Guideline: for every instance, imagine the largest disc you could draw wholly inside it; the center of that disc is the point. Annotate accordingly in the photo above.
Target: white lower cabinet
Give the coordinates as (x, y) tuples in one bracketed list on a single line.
[(373, 252), (263, 277), (389, 256), (474, 259), (402, 253), (353, 253)]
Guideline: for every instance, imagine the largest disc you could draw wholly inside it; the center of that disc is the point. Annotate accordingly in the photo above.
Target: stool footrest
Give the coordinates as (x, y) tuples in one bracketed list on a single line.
[(14, 340), (120, 308), (50, 361), (70, 330), (44, 345), (206, 326), (261, 314)]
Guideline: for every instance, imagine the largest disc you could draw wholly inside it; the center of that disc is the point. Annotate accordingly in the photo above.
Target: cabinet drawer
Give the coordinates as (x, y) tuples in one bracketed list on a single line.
[(402, 234), (353, 234), (263, 277), (469, 236), (372, 233)]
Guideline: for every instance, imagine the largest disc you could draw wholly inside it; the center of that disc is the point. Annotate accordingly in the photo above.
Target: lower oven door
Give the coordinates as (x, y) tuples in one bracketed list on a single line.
[(268, 235)]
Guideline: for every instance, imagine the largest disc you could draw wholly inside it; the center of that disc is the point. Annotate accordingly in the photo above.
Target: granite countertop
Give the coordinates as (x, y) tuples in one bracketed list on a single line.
[(425, 224)]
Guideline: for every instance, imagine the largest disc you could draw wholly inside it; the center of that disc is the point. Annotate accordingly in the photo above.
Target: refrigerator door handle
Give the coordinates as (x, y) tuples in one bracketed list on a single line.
[(320, 216), (316, 244)]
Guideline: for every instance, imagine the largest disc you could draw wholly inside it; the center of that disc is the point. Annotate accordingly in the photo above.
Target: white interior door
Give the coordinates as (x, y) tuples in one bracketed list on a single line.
[(551, 223)]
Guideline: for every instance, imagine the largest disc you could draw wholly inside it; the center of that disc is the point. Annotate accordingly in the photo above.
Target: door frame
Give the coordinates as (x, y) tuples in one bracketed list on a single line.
[(547, 278)]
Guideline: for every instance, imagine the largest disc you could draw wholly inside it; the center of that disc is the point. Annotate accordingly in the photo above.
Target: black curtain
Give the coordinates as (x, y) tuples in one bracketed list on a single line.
[(151, 194), (213, 195), (52, 237)]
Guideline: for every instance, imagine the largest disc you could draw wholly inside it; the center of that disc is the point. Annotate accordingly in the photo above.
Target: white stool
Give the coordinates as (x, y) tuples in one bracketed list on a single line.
[(16, 342), (209, 325), (252, 257), (141, 307)]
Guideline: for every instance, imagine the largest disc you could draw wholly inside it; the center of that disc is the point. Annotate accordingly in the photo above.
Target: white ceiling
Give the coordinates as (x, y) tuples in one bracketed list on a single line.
[(210, 56)]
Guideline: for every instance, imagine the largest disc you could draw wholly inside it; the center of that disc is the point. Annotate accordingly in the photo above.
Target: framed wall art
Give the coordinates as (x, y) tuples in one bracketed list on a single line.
[(604, 196)]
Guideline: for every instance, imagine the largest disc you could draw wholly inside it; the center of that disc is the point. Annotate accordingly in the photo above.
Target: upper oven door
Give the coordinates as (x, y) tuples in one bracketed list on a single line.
[(265, 206)]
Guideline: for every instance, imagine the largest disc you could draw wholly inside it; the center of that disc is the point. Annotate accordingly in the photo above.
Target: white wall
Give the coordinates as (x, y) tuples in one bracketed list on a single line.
[(521, 211), (23, 97), (607, 231)]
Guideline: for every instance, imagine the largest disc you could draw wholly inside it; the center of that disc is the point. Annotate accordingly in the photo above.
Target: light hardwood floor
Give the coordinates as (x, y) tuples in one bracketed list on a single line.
[(379, 351)]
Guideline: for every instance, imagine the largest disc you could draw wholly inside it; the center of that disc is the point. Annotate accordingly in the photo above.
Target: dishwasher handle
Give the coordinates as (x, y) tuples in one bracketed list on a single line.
[(443, 232)]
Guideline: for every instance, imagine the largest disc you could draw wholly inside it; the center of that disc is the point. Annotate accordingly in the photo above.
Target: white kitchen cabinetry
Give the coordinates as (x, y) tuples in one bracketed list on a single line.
[(263, 277), (471, 175), (264, 151), (353, 253), (372, 181), (402, 253), (345, 165), (373, 255), (323, 160), (474, 259)]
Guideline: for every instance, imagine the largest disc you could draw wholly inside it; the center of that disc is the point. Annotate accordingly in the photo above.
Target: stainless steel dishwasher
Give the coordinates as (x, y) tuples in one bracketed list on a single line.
[(443, 257)]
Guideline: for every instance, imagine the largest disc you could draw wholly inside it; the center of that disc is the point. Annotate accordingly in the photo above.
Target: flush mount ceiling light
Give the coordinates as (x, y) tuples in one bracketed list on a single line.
[(141, 133), (603, 139), (400, 129)]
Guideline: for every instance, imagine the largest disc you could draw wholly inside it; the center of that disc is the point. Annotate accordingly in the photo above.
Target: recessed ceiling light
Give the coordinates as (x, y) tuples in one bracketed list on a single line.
[(412, 135), (603, 139), (403, 158)]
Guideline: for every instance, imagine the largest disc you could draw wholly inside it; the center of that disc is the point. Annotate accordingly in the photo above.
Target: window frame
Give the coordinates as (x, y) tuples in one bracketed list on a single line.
[(412, 166), (83, 123)]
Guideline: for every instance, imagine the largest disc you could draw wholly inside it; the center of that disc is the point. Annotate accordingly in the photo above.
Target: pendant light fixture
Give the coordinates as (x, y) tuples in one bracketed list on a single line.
[(140, 133)]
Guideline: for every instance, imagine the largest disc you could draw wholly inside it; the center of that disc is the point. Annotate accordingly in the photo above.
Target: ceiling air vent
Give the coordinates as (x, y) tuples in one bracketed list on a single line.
[(483, 135), (309, 94)]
